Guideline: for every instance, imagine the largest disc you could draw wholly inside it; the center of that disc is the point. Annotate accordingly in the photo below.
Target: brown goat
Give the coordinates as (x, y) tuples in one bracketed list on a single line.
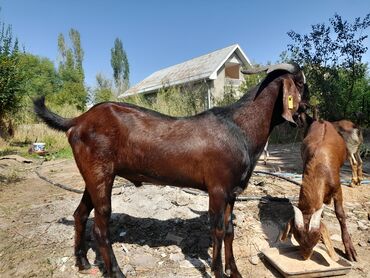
[(215, 151), (323, 153), (352, 135)]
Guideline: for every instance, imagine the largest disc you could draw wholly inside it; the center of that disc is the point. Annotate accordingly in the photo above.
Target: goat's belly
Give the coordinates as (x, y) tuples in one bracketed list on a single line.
[(139, 179)]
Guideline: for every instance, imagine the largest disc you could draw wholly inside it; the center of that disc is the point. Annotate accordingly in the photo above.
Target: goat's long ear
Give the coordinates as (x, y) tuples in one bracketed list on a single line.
[(298, 218), (291, 99), (315, 219)]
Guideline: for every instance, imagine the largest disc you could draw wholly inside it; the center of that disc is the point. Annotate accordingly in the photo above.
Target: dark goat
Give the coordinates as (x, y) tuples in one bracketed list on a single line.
[(215, 151), (323, 153)]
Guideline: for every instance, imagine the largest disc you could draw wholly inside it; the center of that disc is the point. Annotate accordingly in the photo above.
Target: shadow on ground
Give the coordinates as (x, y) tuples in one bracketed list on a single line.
[(191, 235)]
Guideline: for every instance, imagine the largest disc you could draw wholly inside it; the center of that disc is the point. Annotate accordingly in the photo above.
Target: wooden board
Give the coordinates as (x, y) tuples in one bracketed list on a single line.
[(289, 263)]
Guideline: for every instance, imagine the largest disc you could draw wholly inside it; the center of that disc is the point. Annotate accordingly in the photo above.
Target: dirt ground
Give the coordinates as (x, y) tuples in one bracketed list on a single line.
[(160, 231)]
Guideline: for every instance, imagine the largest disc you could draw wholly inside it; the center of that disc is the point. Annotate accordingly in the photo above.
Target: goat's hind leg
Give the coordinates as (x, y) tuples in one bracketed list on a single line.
[(81, 215), (230, 265), (103, 210), (360, 174), (354, 166)]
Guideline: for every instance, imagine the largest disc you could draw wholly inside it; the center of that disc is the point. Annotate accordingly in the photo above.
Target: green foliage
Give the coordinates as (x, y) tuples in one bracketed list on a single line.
[(185, 100), (40, 75), (332, 60), (120, 66), (250, 81), (11, 80), (229, 97), (40, 78), (103, 91), (71, 74)]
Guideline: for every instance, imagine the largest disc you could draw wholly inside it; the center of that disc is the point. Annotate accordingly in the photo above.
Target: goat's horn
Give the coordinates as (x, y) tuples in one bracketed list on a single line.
[(298, 217), (315, 219), (254, 70), (292, 68)]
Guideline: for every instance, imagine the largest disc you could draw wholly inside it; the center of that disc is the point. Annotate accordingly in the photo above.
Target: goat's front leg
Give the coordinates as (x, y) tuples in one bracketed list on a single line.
[(230, 265), (217, 201), (346, 238), (81, 215), (325, 237)]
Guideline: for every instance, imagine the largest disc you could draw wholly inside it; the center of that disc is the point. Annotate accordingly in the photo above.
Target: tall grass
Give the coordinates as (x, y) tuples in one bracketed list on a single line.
[(184, 100), (56, 142), (28, 131)]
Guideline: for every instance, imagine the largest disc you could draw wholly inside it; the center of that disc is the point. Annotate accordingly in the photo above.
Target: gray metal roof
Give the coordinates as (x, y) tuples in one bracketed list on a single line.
[(202, 67)]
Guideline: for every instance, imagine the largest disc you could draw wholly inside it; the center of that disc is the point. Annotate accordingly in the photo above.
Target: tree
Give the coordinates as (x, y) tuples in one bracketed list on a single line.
[(39, 78), (120, 66), (78, 52), (332, 60), (40, 75), (71, 72), (103, 91), (11, 80)]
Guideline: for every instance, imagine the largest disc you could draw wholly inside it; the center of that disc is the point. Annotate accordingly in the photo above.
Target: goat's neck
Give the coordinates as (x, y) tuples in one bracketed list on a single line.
[(257, 118), (312, 193)]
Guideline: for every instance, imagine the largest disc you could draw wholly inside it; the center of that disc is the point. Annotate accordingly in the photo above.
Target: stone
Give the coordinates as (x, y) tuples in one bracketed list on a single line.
[(181, 201), (174, 238), (143, 260), (122, 234), (361, 226), (128, 270), (177, 257), (336, 237), (254, 260), (192, 262), (362, 243)]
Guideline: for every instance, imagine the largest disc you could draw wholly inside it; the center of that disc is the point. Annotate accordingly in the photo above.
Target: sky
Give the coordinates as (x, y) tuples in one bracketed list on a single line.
[(157, 34)]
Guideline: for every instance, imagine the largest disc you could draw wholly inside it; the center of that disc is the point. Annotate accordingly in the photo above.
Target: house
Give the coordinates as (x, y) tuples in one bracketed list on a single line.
[(218, 70)]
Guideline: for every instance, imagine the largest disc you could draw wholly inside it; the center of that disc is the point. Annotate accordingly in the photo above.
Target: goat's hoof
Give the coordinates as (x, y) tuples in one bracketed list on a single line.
[(218, 273), (232, 274), (353, 184), (118, 274), (83, 264)]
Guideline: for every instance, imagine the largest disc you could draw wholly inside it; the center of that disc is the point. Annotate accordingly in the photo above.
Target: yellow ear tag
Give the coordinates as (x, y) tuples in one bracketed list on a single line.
[(290, 102)]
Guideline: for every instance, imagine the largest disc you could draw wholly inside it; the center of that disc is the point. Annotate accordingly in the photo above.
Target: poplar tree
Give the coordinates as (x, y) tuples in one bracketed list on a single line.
[(120, 66)]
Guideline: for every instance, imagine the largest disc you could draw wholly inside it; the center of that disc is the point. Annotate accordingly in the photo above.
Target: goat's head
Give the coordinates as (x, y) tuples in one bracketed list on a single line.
[(306, 229), (294, 88)]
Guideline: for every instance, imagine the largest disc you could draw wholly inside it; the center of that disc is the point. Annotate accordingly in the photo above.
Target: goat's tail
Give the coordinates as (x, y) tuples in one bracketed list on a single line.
[(51, 119)]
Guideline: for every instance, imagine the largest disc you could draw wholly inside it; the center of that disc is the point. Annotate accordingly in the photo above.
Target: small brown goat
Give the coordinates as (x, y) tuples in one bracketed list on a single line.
[(352, 135), (323, 153), (215, 151)]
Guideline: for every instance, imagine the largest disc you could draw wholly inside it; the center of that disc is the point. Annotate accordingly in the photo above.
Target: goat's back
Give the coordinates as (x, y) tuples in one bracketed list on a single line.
[(323, 153)]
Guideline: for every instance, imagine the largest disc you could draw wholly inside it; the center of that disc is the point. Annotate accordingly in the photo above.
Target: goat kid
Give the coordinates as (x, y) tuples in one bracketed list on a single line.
[(323, 153), (352, 135), (215, 151)]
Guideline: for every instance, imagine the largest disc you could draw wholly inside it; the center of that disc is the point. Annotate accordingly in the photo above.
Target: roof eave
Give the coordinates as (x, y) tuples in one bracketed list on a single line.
[(241, 55)]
